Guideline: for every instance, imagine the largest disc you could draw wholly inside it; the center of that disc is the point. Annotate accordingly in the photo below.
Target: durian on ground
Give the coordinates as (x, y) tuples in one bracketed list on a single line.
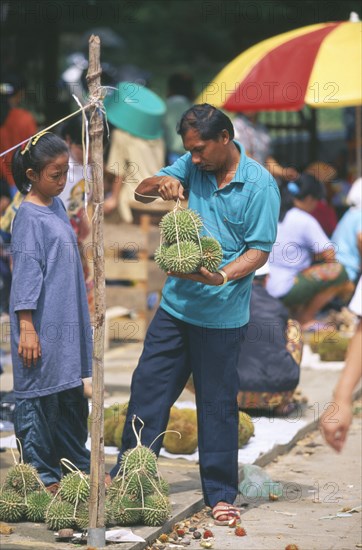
[(138, 494)]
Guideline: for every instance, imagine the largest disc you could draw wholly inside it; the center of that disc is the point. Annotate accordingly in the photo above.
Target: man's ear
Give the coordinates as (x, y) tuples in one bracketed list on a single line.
[(225, 136), (31, 175)]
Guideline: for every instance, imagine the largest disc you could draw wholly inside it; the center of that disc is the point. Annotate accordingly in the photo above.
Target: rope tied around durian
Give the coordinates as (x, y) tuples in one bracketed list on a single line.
[(20, 449), (178, 207), (143, 471), (74, 470)]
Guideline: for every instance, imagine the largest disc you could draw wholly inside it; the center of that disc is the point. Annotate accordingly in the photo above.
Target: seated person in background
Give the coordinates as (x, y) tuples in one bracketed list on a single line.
[(271, 353), (302, 286), (347, 236), (257, 142), (324, 212)]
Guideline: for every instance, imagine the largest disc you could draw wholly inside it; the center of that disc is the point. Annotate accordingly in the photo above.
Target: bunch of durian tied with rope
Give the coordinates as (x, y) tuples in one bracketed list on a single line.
[(138, 495), (23, 496), (182, 248)]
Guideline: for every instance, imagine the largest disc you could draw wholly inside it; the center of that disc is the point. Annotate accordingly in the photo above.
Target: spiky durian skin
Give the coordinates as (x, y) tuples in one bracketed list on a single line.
[(82, 516), (138, 484), (116, 488), (108, 511), (156, 510), (184, 257), (37, 503), (126, 510), (139, 458), (75, 487), (12, 506), (211, 255), (182, 225), (59, 515), (163, 486), (160, 257), (22, 478)]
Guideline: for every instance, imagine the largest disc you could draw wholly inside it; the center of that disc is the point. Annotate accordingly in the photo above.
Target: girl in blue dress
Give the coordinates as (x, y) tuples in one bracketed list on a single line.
[(51, 335)]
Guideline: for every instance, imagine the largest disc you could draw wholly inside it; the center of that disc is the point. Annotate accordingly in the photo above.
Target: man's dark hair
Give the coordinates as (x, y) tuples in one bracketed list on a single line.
[(208, 121)]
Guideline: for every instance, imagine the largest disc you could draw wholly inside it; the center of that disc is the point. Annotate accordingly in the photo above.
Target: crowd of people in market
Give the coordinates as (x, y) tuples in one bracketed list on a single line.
[(287, 258)]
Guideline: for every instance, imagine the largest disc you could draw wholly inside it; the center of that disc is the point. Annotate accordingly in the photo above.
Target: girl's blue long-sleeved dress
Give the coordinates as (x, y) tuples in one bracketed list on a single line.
[(51, 411)]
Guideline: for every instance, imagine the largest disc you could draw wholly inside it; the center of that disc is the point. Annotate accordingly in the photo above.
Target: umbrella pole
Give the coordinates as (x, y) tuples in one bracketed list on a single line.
[(358, 141), (96, 531)]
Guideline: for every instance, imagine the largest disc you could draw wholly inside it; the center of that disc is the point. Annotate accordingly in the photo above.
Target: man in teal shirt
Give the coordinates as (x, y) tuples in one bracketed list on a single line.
[(202, 316)]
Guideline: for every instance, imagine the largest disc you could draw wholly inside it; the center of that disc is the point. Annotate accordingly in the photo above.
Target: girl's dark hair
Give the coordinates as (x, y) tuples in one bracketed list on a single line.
[(36, 155), (207, 120), (306, 185)]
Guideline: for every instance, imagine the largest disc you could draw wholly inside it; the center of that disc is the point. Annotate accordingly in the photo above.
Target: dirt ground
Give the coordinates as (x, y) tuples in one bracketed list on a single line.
[(317, 485)]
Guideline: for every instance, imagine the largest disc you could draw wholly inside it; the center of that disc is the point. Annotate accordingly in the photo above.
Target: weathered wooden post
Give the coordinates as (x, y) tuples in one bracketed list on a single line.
[(96, 531)]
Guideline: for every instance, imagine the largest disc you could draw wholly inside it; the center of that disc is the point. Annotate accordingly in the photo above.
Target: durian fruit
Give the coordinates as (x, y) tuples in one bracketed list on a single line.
[(156, 510), (190, 415), (184, 257), (127, 510), (37, 503), (139, 484), (211, 255), (116, 411), (75, 487), (175, 413), (59, 515), (187, 444), (108, 511), (116, 488), (12, 506), (22, 478), (82, 516), (163, 486), (160, 257), (109, 428), (246, 428), (139, 458), (118, 432), (180, 225)]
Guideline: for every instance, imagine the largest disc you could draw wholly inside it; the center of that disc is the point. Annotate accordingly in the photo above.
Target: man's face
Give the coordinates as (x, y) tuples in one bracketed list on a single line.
[(209, 154)]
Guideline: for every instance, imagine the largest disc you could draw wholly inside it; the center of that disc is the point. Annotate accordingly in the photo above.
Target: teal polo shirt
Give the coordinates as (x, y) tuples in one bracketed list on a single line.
[(242, 215)]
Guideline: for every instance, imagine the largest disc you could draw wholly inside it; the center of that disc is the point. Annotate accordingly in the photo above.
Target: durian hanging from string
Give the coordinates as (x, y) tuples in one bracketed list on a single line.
[(138, 494), (182, 248)]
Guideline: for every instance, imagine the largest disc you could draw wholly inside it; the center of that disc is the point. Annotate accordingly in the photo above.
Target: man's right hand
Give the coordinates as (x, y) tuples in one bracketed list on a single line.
[(170, 189)]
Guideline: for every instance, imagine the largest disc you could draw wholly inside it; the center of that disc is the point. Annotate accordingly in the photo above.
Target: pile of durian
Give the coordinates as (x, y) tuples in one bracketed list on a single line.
[(138, 495), (183, 250), (181, 421), (23, 495)]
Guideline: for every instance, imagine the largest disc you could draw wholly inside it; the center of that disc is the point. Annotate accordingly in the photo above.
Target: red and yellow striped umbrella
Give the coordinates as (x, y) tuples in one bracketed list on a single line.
[(318, 65)]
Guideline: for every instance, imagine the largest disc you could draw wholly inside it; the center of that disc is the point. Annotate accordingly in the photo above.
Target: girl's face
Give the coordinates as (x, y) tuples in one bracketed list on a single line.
[(51, 181)]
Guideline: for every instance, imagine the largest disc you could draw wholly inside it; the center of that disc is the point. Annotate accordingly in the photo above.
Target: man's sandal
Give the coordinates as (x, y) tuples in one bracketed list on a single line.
[(228, 510)]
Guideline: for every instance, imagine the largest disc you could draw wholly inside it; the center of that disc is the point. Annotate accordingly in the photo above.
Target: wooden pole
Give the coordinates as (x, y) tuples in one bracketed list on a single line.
[(96, 531)]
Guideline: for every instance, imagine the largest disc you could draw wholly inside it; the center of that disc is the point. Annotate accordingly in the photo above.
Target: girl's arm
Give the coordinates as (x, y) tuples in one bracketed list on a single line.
[(29, 346)]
